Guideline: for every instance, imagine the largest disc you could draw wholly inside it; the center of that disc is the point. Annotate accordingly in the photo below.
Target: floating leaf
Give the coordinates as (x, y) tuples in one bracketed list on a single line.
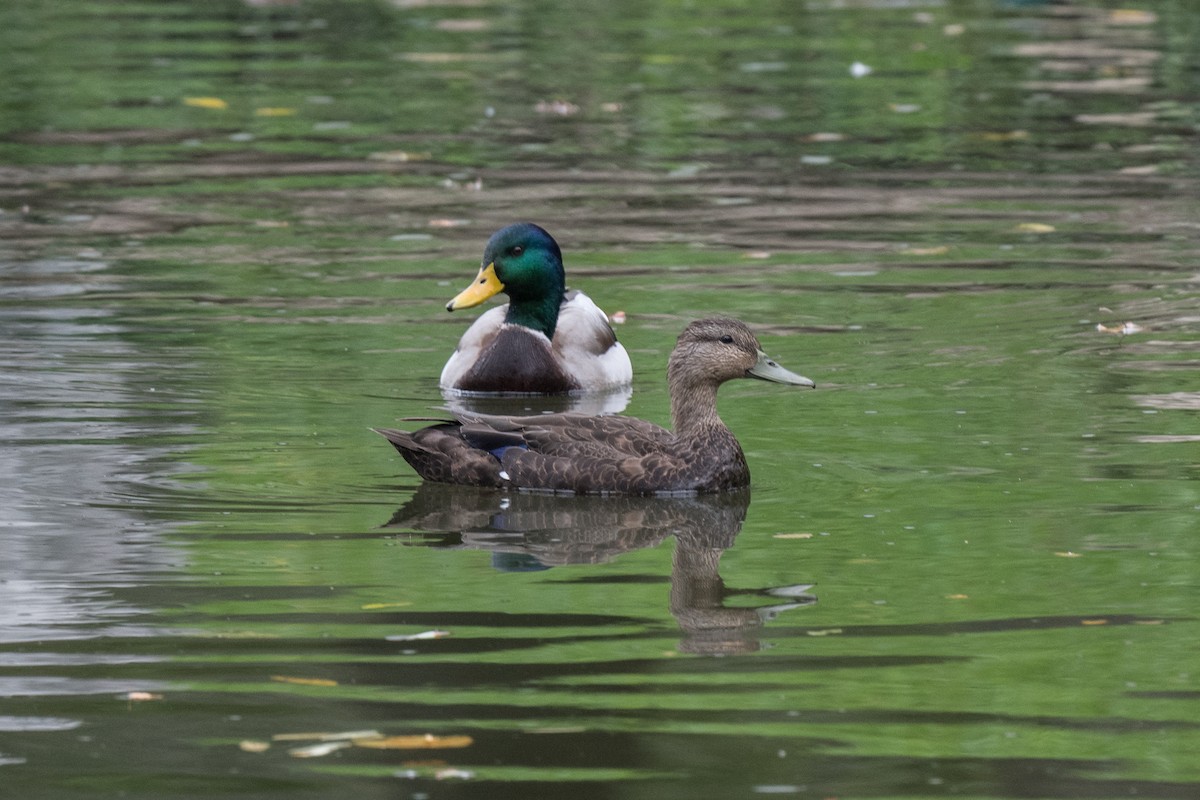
[(792, 536), (1123, 329), (1068, 554), (462, 25), (825, 136), (1144, 169), (957, 597), (1093, 622), (326, 736), (318, 750), (401, 604), (416, 637), (1132, 16), (253, 746), (213, 103), (141, 697), (399, 156), (825, 632), (277, 111), (557, 108), (425, 742), (940, 250), (1004, 136), (1034, 227), (303, 681), (1132, 119)]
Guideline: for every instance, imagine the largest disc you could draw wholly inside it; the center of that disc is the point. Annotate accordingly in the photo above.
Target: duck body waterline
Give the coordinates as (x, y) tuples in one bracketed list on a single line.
[(546, 339), (582, 454)]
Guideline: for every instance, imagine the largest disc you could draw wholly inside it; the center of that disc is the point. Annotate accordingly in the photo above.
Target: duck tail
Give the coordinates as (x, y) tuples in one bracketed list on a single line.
[(439, 453)]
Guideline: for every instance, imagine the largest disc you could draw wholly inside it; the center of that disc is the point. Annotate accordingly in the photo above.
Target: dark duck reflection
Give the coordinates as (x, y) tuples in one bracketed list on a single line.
[(525, 532)]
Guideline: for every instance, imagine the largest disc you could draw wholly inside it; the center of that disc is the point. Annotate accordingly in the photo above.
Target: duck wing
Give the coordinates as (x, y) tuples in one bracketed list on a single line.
[(583, 326), (587, 454), (572, 433), (587, 346)]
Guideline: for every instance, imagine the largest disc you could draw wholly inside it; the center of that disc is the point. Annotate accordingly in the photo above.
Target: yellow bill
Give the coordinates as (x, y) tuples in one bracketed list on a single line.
[(484, 286)]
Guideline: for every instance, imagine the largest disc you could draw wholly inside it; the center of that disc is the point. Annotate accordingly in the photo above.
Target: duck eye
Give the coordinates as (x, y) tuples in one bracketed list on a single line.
[(516, 251), (727, 339)]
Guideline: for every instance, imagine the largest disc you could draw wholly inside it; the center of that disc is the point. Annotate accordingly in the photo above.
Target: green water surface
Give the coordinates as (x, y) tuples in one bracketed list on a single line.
[(967, 566)]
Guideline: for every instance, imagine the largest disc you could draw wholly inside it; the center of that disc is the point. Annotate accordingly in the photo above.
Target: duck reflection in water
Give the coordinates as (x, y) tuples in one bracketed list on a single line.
[(526, 532)]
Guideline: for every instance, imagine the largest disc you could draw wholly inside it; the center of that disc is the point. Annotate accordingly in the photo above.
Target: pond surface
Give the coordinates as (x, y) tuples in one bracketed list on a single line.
[(968, 563)]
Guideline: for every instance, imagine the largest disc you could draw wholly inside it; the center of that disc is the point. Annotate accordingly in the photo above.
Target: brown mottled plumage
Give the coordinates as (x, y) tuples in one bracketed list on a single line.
[(610, 454)]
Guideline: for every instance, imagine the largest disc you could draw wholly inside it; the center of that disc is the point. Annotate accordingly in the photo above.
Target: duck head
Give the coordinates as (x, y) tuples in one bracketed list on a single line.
[(525, 263), (712, 351)]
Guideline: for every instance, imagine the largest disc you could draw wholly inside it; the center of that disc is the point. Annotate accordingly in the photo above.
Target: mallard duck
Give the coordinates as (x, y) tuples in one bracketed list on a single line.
[(610, 454), (546, 339)]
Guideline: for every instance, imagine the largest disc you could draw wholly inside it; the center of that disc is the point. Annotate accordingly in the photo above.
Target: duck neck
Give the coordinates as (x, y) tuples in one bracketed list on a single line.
[(539, 314), (693, 407)]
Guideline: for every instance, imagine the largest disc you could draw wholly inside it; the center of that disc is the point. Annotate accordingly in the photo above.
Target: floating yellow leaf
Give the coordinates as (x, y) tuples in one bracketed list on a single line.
[(399, 156), (1124, 329), (1093, 622), (303, 681), (957, 597), (1035, 227), (141, 697), (253, 746), (1004, 136), (376, 606), (426, 742), (792, 536), (1132, 16), (940, 250), (214, 103), (1068, 554), (825, 632), (278, 111)]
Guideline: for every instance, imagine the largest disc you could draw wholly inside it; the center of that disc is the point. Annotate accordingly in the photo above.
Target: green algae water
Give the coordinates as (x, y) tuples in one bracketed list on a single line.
[(967, 565)]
